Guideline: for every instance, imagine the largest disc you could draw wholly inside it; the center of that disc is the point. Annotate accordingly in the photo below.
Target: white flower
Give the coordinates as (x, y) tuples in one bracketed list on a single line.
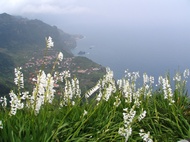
[(117, 101), (1, 124), (160, 78), (106, 84), (120, 83), (99, 97), (38, 104), (73, 103), (60, 56), (25, 95), (3, 101), (14, 102), (151, 79), (145, 136), (49, 42), (92, 90), (186, 73), (108, 92), (78, 90), (142, 115), (85, 113), (145, 78), (37, 98), (177, 77), (49, 90), (19, 79), (127, 91), (41, 82), (66, 74), (68, 94), (128, 117), (167, 89), (75, 87), (126, 132), (131, 76)]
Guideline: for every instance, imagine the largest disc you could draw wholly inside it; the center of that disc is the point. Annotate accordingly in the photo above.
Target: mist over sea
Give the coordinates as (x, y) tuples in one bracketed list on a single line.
[(154, 50)]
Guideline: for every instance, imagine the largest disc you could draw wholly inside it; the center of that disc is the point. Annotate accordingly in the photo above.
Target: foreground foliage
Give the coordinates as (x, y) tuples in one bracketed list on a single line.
[(123, 110)]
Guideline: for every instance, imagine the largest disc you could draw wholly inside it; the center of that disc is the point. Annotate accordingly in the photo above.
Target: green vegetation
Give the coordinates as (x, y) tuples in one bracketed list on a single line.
[(108, 112), (6, 73)]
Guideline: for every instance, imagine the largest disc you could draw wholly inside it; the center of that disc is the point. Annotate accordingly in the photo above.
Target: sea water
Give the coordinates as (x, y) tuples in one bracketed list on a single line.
[(154, 50)]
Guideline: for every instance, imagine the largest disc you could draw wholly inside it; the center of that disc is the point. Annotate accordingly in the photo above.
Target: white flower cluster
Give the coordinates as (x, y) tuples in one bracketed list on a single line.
[(3, 101), (61, 76), (147, 82), (68, 94), (108, 83), (142, 115), (145, 136), (43, 92), (93, 90), (167, 89), (177, 77), (128, 117), (15, 103), (50, 91), (181, 80), (16, 99), (132, 76), (75, 87), (49, 42), (132, 96), (60, 56), (125, 132), (186, 73), (128, 87), (19, 79), (71, 91), (106, 87), (147, 79), (127, 90)]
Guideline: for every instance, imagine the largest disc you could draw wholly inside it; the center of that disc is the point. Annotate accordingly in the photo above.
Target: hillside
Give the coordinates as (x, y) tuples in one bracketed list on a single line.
[(22, 42), (17, 33)]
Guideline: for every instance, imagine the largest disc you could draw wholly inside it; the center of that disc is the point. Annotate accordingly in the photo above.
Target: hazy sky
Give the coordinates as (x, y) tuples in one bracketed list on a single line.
[(100, 12)]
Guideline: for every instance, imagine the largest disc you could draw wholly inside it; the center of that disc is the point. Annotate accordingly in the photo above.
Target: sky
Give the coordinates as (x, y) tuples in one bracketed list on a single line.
[(65, 13)]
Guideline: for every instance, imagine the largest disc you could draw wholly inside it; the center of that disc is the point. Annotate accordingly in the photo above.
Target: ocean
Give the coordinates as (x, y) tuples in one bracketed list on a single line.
[(154, 50)]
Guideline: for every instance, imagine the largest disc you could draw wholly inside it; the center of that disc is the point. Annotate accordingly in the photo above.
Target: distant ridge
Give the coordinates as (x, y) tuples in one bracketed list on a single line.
[(17, 33)]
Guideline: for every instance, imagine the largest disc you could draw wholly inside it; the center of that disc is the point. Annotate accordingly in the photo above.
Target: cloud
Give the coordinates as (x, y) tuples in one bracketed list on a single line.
[(125, 12), (42, 7), (54, 9)]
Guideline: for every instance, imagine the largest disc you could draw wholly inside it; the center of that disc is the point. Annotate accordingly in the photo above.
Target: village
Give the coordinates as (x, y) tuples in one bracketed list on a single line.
[(35, 64)]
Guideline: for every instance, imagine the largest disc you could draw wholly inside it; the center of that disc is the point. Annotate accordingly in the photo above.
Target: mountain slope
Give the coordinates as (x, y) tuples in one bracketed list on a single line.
[(17, 33), (22, 43)]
